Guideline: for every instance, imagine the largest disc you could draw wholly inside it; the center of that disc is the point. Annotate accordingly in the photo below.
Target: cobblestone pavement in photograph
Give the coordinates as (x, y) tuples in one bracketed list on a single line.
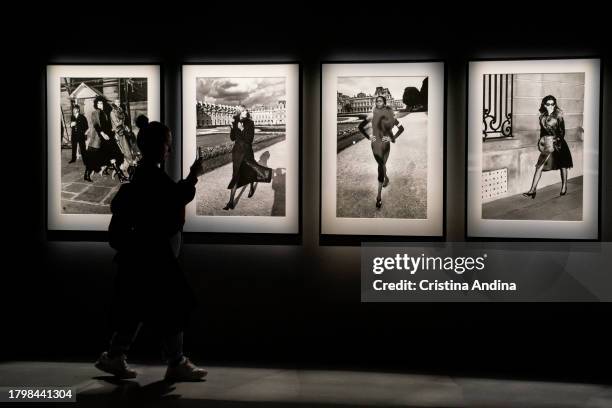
[(83, 197)]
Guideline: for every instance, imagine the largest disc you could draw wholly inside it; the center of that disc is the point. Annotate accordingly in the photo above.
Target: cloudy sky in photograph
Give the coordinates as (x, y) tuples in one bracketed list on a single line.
[(245, 91), (351, 86)]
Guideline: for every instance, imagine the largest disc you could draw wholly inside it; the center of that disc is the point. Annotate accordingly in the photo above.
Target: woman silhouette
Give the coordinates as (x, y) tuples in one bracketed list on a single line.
[(150, 287), (383, 119), (554, 151)]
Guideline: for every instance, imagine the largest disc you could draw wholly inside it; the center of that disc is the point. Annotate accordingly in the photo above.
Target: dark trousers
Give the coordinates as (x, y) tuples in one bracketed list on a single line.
[(81, 143), (150, 289), (126, 332)]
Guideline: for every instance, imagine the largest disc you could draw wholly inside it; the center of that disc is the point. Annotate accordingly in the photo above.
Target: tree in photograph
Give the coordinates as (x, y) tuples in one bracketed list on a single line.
[(424, 94), (411, 98)]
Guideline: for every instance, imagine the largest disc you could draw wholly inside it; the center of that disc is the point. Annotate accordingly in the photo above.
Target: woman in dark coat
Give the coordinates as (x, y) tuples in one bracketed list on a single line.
[(383, 119), (245, 170), (109, 154), (95, 156), (554, 151), (145, 229)]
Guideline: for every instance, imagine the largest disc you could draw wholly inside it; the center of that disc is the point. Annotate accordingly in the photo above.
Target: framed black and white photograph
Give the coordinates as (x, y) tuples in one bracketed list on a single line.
[(533, 149), (382, 149), (244, 121), (93, 116)]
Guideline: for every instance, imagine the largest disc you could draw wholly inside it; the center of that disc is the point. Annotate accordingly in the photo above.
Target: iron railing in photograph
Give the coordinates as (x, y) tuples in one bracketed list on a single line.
[(497, 106)]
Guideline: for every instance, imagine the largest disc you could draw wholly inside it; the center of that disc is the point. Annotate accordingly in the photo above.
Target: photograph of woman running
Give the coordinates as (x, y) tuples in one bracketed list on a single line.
[(382, 149), (382, 121)]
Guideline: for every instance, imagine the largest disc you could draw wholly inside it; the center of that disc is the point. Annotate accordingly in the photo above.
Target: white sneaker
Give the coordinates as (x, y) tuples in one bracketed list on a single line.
[(184, 371), (116, 366)]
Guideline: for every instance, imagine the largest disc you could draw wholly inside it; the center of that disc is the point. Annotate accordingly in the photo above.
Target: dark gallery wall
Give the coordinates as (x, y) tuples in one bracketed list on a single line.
[(297, 303)]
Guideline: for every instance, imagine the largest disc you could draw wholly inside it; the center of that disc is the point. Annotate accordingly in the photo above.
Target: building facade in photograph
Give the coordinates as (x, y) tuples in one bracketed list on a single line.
[(362, 103), (269, 114), (211, 114), (511, 129)]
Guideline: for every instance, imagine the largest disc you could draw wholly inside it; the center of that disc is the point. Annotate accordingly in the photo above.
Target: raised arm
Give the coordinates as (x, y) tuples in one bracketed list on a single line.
[(234, 131), (362, 126), (186, 187), (400, 129)]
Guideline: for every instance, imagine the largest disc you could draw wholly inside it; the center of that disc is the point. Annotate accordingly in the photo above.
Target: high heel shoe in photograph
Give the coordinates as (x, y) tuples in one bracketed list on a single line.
[(532, 195), (229, 206), (378, 203)]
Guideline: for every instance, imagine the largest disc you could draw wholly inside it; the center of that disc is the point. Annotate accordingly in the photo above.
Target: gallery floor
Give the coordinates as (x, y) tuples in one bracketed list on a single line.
[(268, 387)]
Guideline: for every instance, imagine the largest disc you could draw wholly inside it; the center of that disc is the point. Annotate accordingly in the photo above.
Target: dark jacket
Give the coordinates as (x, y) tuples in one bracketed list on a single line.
[(244, 136), (244, 168), (79, 129), (554, 150), (552, 125), (147, 213)]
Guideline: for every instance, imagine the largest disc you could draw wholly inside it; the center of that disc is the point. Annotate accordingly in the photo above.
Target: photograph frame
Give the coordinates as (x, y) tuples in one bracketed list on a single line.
[(345, 239), (597, 119), (60, 229), (202, 235)]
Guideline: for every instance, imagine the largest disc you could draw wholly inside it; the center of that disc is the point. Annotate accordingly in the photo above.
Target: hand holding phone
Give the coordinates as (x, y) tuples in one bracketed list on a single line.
[(197, 168)]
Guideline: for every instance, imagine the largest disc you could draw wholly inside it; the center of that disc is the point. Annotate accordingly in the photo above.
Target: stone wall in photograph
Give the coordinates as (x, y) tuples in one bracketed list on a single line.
[(518, 154)]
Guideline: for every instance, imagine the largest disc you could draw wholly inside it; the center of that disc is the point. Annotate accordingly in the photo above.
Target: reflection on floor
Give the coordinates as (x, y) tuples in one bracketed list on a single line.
[(263, 387), (548, 204)]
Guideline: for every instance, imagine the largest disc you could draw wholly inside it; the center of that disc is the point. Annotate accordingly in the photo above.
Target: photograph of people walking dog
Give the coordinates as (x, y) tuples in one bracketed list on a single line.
[(95, 114)]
